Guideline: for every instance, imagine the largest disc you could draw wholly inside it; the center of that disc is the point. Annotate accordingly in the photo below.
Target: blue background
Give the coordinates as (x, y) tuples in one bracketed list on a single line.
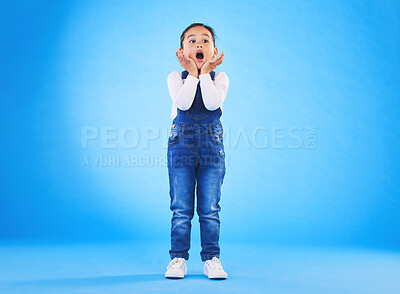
[(331, 65)]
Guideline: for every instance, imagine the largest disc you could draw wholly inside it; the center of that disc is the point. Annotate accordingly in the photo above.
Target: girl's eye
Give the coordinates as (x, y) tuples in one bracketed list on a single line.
[(190, 41)]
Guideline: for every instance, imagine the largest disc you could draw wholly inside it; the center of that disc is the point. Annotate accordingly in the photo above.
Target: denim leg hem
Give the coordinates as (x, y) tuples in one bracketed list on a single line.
[(185, 256), (208, 257)]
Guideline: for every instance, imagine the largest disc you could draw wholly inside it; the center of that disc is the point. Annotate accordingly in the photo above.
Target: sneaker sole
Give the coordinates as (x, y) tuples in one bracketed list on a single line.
[(174, 277)]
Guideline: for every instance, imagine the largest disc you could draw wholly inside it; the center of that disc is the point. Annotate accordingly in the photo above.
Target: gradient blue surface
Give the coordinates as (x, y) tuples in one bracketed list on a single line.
[(311, 120), (134, 267)]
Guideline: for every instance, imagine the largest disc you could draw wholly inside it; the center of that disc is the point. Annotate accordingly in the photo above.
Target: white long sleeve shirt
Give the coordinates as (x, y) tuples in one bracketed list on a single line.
[(183, 91)]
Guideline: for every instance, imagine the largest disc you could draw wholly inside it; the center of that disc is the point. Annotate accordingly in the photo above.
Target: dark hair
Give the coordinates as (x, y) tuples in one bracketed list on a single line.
[(197, 24)]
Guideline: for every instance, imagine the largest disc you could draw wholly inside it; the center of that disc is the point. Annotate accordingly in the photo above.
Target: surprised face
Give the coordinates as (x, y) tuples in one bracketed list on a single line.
[(198, 45)]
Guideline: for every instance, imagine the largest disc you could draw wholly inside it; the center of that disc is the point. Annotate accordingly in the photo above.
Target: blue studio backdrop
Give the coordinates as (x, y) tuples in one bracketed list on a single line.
[(311, 120)]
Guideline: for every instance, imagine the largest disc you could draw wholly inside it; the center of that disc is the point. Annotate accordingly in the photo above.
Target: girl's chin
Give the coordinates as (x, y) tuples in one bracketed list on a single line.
[(200, 63)]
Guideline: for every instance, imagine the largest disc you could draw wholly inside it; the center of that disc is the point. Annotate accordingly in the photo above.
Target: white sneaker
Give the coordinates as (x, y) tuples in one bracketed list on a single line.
[(176, 268), (213, 269)]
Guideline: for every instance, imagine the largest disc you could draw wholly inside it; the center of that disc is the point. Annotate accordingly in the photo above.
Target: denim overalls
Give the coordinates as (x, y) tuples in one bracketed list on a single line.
[(196, 154)]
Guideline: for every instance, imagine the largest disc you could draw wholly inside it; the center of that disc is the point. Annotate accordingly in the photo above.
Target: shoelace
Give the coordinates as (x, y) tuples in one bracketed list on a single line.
[(176, 263), (215, 264)]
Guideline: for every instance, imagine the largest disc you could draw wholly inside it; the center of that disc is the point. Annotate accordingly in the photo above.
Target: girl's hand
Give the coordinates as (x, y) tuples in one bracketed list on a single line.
[(210, 65), (187, 63)]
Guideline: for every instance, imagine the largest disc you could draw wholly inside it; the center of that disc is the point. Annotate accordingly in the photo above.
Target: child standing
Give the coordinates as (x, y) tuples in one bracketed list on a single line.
[(195, 150)]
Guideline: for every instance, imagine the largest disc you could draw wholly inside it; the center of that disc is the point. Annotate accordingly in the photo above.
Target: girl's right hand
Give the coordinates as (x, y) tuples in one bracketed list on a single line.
[(187, 63)]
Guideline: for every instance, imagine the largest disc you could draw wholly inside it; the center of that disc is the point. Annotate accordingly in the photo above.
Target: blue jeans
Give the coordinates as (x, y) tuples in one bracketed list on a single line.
[(196, 163)]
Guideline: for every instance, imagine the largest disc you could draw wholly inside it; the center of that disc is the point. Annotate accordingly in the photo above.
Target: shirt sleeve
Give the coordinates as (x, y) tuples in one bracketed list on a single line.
[(182, 92), (214, 92)]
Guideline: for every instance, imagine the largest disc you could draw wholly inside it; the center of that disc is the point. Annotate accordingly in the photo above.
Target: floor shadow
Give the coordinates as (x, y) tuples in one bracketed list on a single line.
[(100, 281), (196, 277), (93, 281)]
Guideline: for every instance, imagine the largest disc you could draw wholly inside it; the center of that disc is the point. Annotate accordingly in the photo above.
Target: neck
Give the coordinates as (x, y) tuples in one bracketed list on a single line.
[(199, 71)]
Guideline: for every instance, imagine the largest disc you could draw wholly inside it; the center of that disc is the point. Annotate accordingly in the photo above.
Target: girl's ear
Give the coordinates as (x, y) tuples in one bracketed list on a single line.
[(215, 52)]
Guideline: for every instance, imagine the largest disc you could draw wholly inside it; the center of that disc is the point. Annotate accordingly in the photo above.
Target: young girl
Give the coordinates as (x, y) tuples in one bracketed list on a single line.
[(195, 149)]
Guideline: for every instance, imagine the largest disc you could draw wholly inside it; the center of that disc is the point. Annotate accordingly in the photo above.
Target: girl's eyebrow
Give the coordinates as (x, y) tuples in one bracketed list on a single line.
[(195, 35)]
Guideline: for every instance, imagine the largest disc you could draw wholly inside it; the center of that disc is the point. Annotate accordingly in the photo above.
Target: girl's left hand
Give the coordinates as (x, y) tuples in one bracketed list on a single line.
[(211, 64)]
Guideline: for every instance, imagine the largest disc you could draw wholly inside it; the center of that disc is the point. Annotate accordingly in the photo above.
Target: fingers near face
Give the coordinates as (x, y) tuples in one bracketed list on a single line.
[(221, 56), (182, 57), (219, 59)]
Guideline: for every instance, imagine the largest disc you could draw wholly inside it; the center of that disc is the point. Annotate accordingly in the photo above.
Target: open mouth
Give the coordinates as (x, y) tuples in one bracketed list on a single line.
[(199, 55)]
